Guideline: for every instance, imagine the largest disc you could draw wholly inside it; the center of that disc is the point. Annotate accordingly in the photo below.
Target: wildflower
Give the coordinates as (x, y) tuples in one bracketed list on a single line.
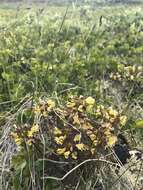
[(33, 130), (51, 104), (18, 141), (76, 119), (60, 140), (81, 146), (61, 151), (37, 110), (112, 112), (66, 154), (111, 140), (74, 155), (89, 108), (140, 68), (92, 137), (95, 142), (57, 131), (132, 77), (87, 126), (90, 101), (77, 137)]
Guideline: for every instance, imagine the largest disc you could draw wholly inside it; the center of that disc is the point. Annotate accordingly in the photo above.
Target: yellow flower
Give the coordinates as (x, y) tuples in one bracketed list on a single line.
[(87, 126), (107, 132), (66, 154), (140, 68), (112, 112), (30, 134), (18, 141), (90, 100), (92, 137), (95, 142), (51, 104), (57, 131), (77, 137), (81, 146), (60, 140), (61, 151), (34, 129), (132, 77), (89, 108), (111, 140), (76, 119), (37, 110), (74, 155), (92, 151), (123, 120)]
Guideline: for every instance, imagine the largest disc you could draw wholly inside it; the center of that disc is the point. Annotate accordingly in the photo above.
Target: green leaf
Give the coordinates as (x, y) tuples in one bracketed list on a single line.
[(139, 124)]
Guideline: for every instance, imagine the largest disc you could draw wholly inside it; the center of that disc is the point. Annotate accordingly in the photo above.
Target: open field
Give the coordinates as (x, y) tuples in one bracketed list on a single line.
[(71, 97)]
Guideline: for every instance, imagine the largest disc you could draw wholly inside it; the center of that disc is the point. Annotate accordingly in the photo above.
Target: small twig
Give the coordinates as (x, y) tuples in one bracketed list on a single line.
[(53, 161)]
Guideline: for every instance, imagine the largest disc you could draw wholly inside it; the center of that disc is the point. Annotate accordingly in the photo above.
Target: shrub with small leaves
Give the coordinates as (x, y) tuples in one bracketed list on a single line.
[(80, 128), (129, 73)]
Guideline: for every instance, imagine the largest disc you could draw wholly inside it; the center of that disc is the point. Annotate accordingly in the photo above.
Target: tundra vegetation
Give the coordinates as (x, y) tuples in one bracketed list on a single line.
[(71, 81)]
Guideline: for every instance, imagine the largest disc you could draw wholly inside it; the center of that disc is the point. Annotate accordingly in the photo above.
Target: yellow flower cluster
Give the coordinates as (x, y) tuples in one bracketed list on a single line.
[(25, 134), (85, 127), (78, 129), (129, 73), (44, 107), (34, 129), (17, 138)]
